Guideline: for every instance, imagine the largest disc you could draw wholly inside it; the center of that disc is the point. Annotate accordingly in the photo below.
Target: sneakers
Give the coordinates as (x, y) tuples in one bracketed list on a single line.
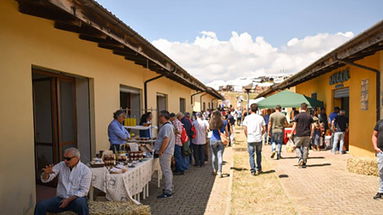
[(279, 156), (164, 196), (220, 174), (300, 163), (378, 196), (272, 154)]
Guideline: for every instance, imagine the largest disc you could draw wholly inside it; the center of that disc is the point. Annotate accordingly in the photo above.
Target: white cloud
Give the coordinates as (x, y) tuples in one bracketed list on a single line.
[(213, 60)]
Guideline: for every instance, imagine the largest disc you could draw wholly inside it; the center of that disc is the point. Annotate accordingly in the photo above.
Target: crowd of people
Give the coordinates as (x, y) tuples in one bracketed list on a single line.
[(185, 139), (309, 128)]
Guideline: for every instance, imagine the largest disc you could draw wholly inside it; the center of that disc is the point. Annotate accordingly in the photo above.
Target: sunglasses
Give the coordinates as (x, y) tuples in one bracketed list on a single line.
[(68, 158)]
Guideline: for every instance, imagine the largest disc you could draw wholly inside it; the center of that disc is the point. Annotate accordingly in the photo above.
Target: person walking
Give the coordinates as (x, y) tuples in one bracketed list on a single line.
[(218, 127), (277, 124), (178, 157), (187, 122), (339, 126), (255, 127), (266, 116), (323, 120), (331, 118), (377, 143), (164, 149), (201, 126), (303, 128), (239, 117)]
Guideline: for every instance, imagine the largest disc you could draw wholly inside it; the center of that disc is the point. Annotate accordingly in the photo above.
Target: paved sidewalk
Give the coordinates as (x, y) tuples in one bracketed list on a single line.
[(197, 192), (325, 186)]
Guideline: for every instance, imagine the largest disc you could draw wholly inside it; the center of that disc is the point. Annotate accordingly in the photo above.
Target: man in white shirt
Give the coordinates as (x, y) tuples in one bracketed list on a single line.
[(72, 188), (201, 126), (255, 127)]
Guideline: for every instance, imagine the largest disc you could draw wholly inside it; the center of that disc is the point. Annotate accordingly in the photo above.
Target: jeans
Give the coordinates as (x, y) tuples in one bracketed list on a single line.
[(255, 148), (380, 171), (338, 136), (186, 159), (191, 149), (316, 140), (302, 147), (79, 206), (199, 154), (216, 147), (277, 140), (178, 157), (165, 163)]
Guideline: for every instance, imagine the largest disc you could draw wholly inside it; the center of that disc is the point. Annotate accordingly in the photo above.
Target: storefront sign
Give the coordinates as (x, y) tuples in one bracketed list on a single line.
[(364, 95), (340, 77)]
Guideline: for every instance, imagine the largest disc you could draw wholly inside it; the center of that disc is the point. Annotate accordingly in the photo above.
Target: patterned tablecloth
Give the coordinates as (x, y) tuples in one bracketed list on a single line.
[(121, 187)]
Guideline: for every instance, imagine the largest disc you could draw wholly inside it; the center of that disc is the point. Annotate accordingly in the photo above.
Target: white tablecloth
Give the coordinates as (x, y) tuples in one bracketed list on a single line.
[(121, 187)]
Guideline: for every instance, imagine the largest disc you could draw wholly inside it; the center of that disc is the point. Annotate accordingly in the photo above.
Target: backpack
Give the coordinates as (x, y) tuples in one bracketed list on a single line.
[(184, 136)]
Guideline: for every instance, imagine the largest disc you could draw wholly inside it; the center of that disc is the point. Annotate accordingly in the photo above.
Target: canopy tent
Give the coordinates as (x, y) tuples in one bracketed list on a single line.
[(252, 101), (288, 99)]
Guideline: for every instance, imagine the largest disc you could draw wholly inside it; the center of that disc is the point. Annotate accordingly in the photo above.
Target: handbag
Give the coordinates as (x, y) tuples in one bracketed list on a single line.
[(224, 139)]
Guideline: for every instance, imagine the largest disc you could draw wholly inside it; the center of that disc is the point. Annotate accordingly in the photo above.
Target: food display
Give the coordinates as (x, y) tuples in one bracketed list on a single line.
[(136, 156), (109, 160), (122, 157), (97, 162)]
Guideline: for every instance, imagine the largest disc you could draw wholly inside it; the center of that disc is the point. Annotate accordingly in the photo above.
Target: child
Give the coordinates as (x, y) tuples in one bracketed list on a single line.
[(317, 135)]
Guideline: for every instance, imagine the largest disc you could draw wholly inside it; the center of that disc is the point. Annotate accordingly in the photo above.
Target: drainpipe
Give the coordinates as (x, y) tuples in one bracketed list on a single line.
[(200, 100), (146, 90), (191, 97), (377, 73)]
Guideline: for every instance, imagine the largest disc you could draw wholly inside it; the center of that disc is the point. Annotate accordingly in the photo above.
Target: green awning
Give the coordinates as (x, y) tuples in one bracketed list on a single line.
[(288, 99)]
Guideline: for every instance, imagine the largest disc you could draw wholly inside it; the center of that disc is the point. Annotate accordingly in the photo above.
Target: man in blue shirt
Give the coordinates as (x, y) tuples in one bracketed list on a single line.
[(333, 114), (118, 135), (331, 118)]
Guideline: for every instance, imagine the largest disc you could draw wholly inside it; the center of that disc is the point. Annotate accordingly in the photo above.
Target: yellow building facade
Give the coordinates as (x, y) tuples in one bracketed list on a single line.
[(349, 77), (35, 58), (362, 115)]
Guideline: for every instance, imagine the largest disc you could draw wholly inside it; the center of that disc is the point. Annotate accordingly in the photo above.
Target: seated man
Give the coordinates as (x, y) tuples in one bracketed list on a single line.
[(72, 188)]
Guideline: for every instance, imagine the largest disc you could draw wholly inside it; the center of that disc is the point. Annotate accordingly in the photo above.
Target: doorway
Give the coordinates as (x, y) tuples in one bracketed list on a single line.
[(130, 100), (61, 120), (342, 100)]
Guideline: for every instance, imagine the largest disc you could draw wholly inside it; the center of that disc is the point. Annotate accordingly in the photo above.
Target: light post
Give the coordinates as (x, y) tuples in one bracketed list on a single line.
[(248, 88)]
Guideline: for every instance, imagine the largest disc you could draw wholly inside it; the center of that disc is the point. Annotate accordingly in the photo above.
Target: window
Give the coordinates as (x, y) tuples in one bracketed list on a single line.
[(182, 105), (130, 100), (204, 107)]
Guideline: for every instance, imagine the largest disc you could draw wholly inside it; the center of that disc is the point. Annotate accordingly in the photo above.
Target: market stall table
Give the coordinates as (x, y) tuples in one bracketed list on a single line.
[(128, 185)]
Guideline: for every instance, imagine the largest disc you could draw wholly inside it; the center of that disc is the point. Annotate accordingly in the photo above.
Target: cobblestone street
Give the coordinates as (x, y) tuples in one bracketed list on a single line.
[(197, 192), (324, 187)]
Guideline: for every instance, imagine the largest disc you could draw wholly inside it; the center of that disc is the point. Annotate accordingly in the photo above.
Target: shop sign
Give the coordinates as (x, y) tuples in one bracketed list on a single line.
[(364, 95), (340, 77)]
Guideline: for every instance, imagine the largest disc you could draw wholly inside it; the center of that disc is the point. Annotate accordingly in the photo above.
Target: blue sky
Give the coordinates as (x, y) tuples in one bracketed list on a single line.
[(277, 21), (221, 41)]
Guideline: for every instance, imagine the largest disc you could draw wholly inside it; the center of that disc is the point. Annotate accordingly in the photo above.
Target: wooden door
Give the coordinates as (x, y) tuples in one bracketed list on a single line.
[(54, 111)]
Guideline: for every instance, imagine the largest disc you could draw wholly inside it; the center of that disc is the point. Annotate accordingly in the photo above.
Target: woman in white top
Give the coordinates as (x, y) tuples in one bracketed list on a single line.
[(201, 126)]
